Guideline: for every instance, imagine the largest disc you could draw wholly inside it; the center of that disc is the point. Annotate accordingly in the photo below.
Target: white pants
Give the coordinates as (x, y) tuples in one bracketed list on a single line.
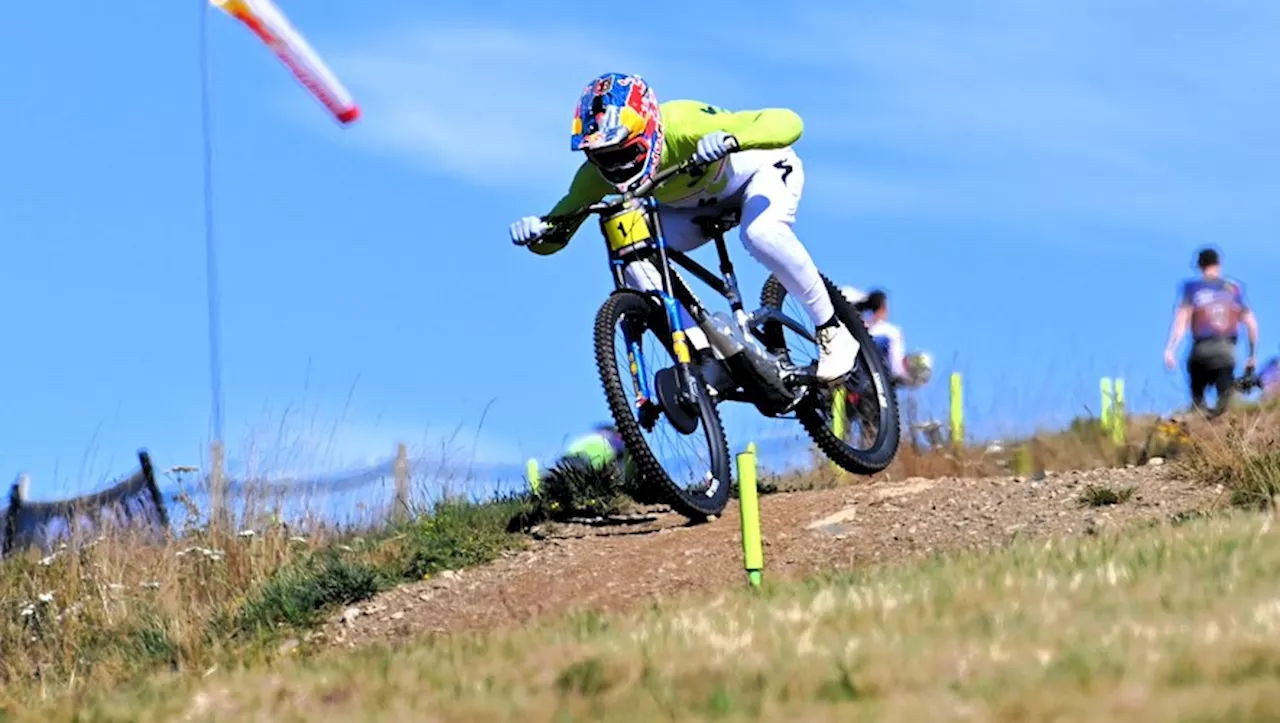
[(767, 186)]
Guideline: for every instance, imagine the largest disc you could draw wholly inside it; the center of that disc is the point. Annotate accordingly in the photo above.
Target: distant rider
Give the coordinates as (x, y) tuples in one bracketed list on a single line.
[(1213, 307), (906, 370), (600, 447)]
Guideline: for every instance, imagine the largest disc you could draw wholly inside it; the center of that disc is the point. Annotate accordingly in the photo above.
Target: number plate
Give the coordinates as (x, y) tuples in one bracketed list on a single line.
[(627, 229)]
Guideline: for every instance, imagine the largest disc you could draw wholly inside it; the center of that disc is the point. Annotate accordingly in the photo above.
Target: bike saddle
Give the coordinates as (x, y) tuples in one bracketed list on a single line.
[(719, 221)]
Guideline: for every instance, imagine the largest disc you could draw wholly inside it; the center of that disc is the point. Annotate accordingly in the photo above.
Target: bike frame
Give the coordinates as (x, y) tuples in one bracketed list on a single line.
[(674, 291), (628, 241)]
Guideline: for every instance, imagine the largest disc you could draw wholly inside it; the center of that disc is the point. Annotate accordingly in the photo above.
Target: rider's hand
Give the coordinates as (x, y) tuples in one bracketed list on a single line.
[(714, 146), (528, 229), (1168, 359), (1250, 364)]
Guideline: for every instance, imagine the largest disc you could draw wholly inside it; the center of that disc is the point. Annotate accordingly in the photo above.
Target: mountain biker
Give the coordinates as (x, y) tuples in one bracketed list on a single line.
[(628, 137), (1213, 307), (601, 446), (906, 370)]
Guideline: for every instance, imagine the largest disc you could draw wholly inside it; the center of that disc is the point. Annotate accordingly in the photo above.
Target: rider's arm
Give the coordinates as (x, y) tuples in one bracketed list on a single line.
[(1181, 316), (588, 186), (1249, 320), (897, 354), (754, 129)]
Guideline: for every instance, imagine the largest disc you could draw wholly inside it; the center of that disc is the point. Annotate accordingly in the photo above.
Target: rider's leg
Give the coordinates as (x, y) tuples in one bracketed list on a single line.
[(1224, 381), (769, 203)]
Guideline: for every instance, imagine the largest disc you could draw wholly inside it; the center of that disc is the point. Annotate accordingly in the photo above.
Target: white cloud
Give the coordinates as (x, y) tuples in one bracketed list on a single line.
[(1143, 113), (1147, 115), (492, 105)]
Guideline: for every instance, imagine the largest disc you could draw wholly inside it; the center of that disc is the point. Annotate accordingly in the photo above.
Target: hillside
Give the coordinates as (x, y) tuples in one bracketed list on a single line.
[(453, 615), (1039, 607), (806, 533)]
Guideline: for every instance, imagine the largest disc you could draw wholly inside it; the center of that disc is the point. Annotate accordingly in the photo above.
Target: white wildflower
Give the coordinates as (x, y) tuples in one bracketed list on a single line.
[(246, 533), (47, 561), (46, 597)]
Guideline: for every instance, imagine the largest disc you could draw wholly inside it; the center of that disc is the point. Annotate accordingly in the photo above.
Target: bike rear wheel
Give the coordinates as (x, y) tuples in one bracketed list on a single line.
[(699, 487), (865, 391)]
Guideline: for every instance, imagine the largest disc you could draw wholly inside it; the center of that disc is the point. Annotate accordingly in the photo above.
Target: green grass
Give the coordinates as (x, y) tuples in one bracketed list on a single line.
[(299, 593), (1169, 623), (1104, 495)]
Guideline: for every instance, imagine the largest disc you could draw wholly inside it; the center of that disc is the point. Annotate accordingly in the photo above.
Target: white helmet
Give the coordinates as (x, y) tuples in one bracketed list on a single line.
[(919, 366), (853, 294)]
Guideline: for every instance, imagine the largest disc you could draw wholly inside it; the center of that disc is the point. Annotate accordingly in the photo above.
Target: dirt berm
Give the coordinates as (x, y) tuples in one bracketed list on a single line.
[(578, 566)]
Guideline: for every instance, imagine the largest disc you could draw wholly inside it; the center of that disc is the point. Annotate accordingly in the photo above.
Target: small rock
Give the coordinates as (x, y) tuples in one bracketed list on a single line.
[(350, 614), (398, 616), (287, 647), (1155, 461), (449, 575)]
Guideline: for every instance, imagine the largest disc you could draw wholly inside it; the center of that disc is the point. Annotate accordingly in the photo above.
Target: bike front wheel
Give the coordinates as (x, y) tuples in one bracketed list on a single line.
[(678, 447), (855, 422)]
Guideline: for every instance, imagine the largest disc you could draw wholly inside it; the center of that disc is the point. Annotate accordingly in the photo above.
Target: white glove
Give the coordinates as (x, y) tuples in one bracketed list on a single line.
[(714, 146), (528, 229)]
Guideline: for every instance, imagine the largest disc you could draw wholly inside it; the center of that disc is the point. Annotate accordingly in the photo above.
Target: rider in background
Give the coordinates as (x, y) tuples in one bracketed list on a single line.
[(627, 137), (1213, 307), (600, 447), (906, 370)]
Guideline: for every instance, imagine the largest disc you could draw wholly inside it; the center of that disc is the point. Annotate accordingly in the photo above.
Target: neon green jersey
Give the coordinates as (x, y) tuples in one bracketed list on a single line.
[(685, 122)]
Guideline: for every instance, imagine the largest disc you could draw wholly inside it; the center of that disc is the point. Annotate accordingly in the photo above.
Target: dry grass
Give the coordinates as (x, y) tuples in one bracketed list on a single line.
[(1241, 452), (101, 612), (1168, 623), (1072, 628), (1082, 445)]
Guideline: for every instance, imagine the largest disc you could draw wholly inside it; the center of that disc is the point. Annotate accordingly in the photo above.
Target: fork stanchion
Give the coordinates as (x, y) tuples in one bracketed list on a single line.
[(749, 503)]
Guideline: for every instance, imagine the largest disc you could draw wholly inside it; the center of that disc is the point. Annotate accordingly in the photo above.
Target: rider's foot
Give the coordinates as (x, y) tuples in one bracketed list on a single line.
[(838, 350)]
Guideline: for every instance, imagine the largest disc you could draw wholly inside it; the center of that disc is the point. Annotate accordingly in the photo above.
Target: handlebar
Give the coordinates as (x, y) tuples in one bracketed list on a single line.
[(640, 190)]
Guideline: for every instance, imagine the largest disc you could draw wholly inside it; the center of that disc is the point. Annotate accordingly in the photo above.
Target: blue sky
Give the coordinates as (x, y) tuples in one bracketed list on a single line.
[(1028, 180)]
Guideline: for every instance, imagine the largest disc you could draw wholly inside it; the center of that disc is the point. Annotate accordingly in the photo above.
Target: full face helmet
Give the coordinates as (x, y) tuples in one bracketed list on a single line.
[(619, 128), (610, 432), (919, 366)]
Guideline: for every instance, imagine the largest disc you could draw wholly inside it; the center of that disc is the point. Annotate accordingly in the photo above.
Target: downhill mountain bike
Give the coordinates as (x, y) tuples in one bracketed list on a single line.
[(750, 357)]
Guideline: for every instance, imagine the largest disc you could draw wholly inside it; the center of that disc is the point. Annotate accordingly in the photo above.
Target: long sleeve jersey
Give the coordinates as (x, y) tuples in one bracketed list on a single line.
[(685, 122)]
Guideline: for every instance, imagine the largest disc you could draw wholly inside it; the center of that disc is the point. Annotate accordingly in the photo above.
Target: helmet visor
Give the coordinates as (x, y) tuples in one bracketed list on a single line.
[(618, 163)]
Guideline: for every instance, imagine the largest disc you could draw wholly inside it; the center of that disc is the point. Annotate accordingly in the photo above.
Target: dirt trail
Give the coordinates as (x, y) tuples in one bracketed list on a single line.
[(804, 532)]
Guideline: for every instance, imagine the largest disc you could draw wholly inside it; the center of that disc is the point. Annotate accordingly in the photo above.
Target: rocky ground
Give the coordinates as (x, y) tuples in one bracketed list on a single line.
[(658, 555)]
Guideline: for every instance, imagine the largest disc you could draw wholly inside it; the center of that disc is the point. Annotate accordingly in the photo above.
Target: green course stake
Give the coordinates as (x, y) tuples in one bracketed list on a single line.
[(956, 402), (1104, 387), (531, 472), (839, 422), (749, 502), (1118, 413)]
